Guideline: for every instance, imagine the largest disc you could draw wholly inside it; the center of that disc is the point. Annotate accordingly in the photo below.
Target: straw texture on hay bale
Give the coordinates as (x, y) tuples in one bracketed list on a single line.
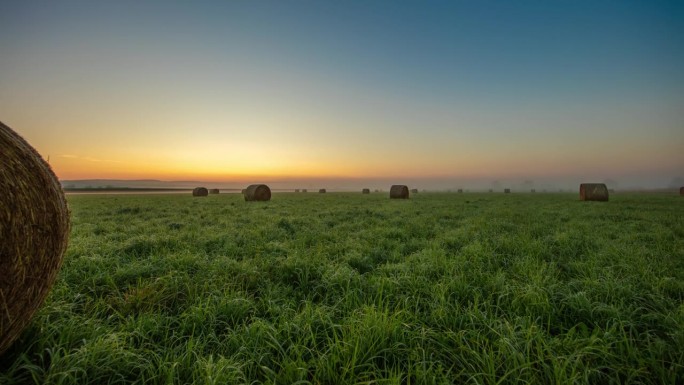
[(322, 191), (414, 191), (365, 191), (507, 191), (214, 191), (34, 231), (593, 192), (681, 191), (399, 191), (200, 192), (257, 192)]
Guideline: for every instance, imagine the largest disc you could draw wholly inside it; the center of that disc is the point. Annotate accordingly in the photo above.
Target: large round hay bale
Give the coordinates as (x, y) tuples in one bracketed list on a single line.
[(365, 191), (200, 192), (214, 191), (593, 192), (414, 191), (507, 191), (681, 191), (304, 190), (34, 231), (257, 192), (322, 191), (296, 190), (399, 191)]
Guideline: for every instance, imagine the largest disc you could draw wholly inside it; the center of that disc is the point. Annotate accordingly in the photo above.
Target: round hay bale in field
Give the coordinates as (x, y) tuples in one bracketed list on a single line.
[(507, 191), (533, 191), (414, 191), (365, 191), (304, 190), (34, 232), (681, 191), (214, 191), (593, 192), (200, 192), (322, 191), (399, 191), (258, 192), (460, 191), (296, 190)]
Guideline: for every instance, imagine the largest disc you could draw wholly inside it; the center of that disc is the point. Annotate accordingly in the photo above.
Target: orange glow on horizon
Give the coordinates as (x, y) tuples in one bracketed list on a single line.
[(229, 157)]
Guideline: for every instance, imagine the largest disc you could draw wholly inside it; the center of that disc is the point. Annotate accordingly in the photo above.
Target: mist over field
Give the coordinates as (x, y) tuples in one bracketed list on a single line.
[(548, 184)]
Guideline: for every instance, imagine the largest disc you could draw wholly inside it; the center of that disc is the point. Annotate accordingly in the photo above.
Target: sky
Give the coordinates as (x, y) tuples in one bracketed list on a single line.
[(438, 93)]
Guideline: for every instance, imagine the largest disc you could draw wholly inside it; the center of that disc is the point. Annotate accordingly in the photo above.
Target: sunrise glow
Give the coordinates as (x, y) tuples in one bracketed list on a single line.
[(236, 92)]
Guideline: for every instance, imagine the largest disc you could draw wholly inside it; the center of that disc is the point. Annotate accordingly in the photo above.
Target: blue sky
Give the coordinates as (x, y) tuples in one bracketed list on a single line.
[(448, 91)]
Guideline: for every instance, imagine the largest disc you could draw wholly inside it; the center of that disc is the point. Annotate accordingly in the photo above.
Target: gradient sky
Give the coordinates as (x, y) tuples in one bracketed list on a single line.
[(290, 90)]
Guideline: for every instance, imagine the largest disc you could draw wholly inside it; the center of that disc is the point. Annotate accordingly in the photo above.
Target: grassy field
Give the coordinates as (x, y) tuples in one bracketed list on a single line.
[(344, 288)]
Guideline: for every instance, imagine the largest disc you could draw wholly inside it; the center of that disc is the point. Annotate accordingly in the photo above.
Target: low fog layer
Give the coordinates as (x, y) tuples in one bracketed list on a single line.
[(630, 183)]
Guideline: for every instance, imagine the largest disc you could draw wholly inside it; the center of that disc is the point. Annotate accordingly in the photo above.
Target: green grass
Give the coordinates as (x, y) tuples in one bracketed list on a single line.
[(349, 288)]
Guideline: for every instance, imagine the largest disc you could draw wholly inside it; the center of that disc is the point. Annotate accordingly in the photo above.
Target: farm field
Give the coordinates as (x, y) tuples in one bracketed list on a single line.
[(345, 288)]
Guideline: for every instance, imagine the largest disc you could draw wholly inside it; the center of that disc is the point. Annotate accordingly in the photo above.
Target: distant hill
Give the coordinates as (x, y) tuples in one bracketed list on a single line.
[(136, 184)]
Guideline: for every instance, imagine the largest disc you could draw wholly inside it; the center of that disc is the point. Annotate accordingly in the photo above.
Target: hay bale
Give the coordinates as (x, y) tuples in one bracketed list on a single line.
[(414, 191), (304, 190), (365, 191), (34, 232), (507, 191), (593, 192), (322, 191), (258, 192), (460, 191), (214, 191), (243, 191), (296, 190), (491, 190), (533, 191), (200, 192), (681, 191), (399, 191)]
